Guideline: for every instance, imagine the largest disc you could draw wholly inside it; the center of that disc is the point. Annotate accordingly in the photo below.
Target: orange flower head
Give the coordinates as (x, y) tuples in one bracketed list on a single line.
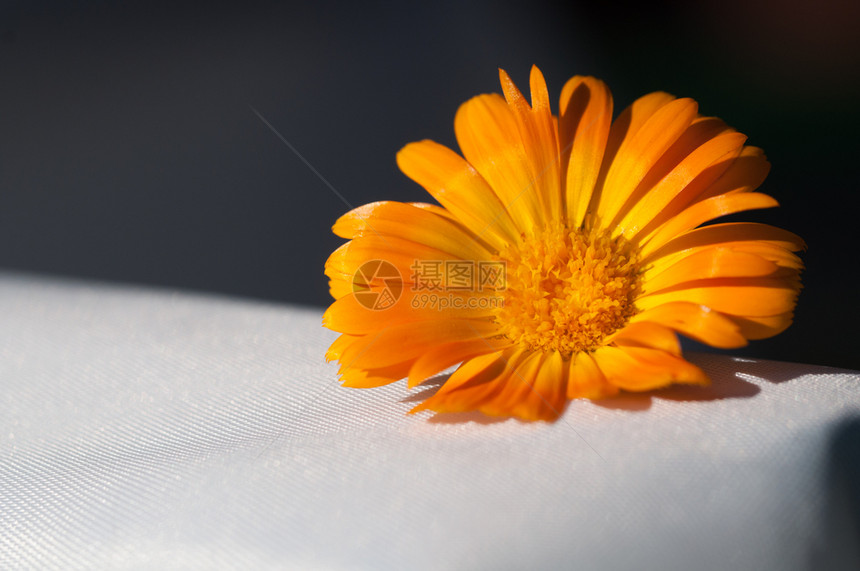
[(564, 257)]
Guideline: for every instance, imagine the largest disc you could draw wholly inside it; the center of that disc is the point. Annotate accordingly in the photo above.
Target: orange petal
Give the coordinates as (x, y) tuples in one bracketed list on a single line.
[(788, 263), (586, 380), (729, 233), (406, 221), (531, 387), (696, 322), (737, 171), (629, 122), (585, 117), (488, 135), (440, 358), (776, 254), (745, 174), (715, 262), (336, 349), (654, 198), (641, 369), (646, 334), (339, 287), (707, 210), (516, 387), (447, 215), (737, 296), (538, 134), (401, 253), (356, 315), (473, 382), (700, 132), (763, 327), (412, 339), (539, 390), (640, 151), (460, 189)]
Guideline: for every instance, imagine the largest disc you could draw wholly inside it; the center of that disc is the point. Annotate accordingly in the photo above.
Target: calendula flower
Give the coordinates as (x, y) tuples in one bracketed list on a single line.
[(567, 254)]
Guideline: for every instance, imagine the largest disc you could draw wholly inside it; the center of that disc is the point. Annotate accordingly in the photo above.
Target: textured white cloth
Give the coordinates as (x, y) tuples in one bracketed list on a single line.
[(144, 429)]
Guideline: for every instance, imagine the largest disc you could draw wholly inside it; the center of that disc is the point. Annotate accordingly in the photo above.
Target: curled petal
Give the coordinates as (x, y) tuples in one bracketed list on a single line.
[(585, 116), (642, 369), (697, 322)]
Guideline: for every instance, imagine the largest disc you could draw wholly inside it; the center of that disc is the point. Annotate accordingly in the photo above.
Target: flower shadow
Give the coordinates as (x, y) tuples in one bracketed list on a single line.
[(722, 387), (427, 389), (726, 383), (775, 371), (732, 377)]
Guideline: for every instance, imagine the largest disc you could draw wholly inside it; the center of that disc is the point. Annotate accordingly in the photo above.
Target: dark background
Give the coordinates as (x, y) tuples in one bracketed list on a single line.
[(129, 150)]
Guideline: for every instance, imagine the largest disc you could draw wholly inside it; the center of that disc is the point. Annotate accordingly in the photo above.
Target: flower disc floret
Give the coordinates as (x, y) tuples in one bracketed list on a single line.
[(567, 290)]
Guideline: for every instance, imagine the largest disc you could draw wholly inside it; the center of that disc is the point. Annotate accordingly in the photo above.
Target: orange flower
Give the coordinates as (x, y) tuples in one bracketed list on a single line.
[(566, 255)]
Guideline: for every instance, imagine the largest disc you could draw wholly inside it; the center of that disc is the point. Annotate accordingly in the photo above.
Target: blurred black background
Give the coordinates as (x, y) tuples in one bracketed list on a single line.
[(129, 150)]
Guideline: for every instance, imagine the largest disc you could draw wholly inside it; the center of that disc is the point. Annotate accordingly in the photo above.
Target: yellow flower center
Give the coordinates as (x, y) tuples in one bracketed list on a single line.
[(568, 289)]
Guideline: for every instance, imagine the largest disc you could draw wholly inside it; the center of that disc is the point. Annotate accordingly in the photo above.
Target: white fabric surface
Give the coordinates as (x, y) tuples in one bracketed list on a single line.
[(156, 430)]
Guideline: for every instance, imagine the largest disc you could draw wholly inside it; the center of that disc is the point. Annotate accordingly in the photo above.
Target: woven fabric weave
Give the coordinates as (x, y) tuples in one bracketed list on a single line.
[(147, 429)]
